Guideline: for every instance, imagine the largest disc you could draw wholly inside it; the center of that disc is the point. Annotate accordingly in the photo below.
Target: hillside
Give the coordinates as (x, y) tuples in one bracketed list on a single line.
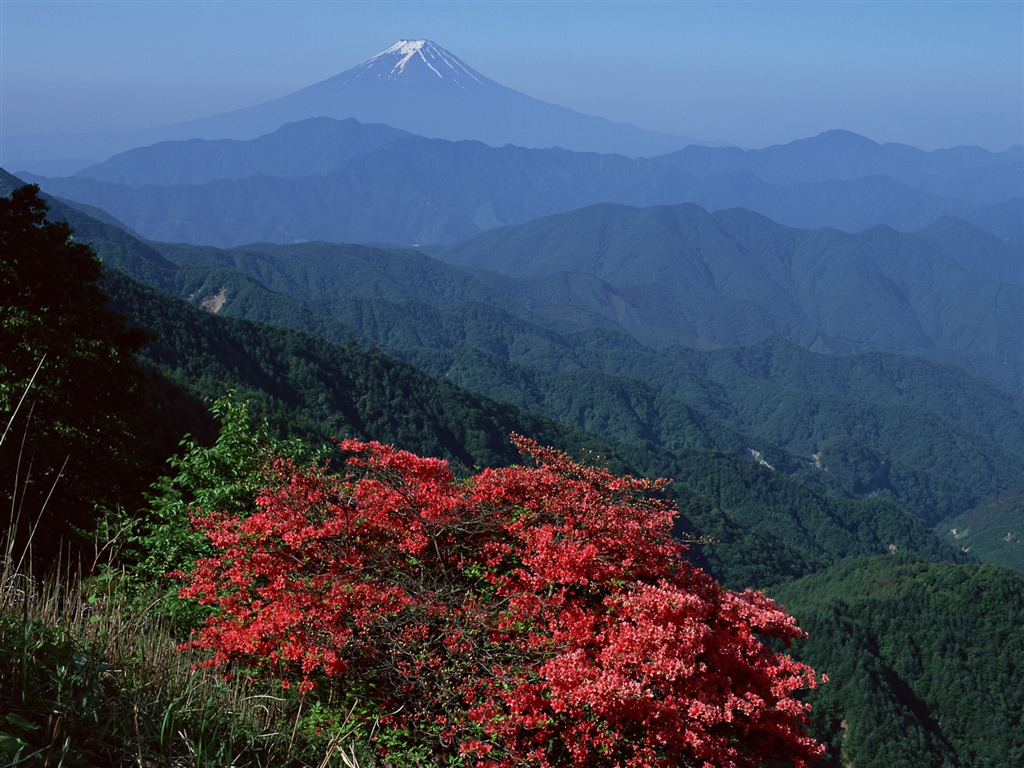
[(923, 661), (951, 294), (272, 378), (992, 531), (855, 444), (682, 275), (315, 146), (863, 425), (316, 390), (767, 528), (322, 179)]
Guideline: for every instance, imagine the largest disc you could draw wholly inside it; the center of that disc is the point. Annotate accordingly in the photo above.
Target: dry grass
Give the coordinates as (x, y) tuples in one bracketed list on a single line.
[(90, 676), (91, 673)]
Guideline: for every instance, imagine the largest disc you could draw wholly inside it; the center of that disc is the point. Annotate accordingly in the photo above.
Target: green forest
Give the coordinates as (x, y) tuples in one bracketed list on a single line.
[(875, 496)]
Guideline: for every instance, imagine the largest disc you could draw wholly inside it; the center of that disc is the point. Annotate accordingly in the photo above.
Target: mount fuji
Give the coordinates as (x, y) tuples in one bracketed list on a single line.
[(415, 85)]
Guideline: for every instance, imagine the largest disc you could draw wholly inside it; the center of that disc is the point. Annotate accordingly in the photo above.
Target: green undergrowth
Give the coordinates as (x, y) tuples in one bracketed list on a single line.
[(91, 675)]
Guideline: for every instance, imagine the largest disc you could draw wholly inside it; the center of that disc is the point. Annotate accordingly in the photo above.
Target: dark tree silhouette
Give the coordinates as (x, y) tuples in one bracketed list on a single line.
[(71, 392)]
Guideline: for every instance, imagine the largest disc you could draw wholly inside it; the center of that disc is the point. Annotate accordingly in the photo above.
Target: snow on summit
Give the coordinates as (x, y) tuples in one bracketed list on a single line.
[(407, 49), (416, 54)]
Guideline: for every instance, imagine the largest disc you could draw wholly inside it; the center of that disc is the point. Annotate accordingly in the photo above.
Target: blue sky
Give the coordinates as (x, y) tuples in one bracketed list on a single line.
[(932, 74)]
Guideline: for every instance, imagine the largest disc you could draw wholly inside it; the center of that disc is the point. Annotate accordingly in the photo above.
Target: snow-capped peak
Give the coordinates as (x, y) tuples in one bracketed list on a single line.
[(392, 62)]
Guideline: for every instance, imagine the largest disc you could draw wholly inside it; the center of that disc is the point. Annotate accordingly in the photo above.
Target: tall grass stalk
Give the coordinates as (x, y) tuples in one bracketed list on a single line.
[(91, 674), (21, 400)]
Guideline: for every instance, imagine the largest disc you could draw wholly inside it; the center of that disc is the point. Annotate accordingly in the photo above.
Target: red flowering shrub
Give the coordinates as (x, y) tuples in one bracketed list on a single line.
[(526, 616)]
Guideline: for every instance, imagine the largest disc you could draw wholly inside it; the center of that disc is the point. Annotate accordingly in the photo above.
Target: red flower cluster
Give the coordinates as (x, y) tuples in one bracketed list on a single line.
[(524, 616)]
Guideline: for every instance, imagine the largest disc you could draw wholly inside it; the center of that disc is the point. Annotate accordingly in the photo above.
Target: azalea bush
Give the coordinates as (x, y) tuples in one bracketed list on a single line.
[(535, 615)]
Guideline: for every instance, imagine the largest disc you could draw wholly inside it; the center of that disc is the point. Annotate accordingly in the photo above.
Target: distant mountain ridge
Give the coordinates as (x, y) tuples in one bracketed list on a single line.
[(930, 438), (322, 179), (414, 85), (681, 275), (312, 147), (970, 173), (418, 86), (674, 275)]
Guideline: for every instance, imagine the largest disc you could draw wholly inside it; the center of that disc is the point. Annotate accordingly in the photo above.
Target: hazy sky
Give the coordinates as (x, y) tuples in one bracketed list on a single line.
[(933, 74)]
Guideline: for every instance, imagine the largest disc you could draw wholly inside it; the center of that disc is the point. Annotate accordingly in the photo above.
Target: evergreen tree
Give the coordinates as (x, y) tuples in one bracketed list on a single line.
[(71, 393)]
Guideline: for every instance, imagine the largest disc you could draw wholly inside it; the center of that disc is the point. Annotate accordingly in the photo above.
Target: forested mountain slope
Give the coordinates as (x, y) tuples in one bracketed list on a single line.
[(679, 275), (930, 438), (873, 422), (316, 389), (317, 180), (924, 662), (682, 275), (921, 460), (766, 528), (993, 531), (899, 636)]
